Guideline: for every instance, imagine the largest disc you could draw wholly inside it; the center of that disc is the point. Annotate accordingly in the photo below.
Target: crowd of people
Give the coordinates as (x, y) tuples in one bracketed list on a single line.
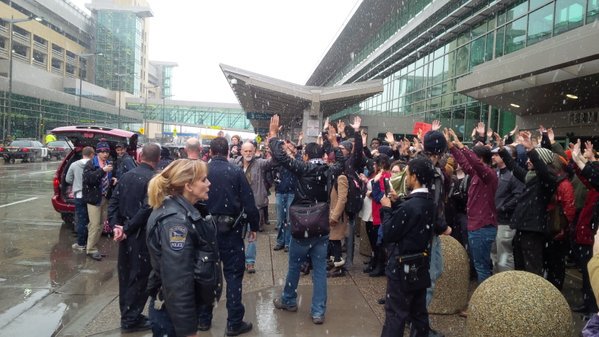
[(520, 202)]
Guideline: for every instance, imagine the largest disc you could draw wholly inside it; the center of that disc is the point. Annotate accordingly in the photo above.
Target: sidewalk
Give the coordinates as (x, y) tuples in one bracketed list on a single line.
[(352, 308)]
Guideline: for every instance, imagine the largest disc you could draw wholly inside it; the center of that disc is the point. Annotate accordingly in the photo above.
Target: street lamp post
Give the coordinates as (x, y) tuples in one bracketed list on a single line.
[(6, 119), (81, 81), (163, 108), (145, 119), (119, 88)]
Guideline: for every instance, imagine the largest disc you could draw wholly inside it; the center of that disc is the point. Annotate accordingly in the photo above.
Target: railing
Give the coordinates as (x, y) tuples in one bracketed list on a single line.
[(40, 46), (20, 37), (18, 56), (39, 64), (58, 54), (57, 71)]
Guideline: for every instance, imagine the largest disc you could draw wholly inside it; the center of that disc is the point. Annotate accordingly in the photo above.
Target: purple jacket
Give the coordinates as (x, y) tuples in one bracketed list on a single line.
[(481, 193)]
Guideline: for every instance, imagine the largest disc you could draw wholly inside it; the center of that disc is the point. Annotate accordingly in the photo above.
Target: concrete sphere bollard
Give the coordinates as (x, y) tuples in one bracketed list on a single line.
[(518, 303), (450, 295)]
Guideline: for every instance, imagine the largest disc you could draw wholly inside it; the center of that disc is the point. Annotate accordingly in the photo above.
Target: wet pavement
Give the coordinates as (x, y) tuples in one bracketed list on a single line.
[(47, 289)]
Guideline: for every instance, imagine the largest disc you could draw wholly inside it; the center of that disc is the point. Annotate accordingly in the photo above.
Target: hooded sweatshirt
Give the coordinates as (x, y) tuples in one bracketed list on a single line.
[(75, 176)]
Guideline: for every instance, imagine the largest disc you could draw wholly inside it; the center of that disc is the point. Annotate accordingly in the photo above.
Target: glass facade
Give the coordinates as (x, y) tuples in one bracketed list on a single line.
[(426, 88), (31, 117), (119, 39)]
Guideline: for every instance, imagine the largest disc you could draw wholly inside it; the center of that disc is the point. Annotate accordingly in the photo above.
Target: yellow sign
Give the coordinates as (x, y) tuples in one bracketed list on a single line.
[(258, 139), (174, 132), (141, 130)]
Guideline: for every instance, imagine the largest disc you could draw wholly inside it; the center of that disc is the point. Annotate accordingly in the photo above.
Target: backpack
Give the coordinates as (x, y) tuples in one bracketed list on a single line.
[(356, 192)]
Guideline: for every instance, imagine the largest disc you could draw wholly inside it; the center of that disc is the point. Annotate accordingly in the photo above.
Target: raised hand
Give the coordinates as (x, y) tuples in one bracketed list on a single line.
[(356, 124), (551, 135), (419, 134), (542, 129), (436, 125), (389, 138), (526, 139), (588, 150), (325, 126), (490, 133), (273, 128), (300, 138), (405, 146), (456, 140), (513, 132), (447, 138), (364, 137), (480, 129), (498, 139)]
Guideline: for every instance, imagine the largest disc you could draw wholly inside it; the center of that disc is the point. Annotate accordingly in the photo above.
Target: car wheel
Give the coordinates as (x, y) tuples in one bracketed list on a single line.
[(12, 160), (68, 219), (6, 160), (32, 157)]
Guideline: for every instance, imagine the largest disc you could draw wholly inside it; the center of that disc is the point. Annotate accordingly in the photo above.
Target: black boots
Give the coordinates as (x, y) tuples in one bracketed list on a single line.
[(379, 262)]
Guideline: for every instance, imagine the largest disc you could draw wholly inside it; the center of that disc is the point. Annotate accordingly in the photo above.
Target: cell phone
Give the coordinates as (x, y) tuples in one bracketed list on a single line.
[(387, 187)]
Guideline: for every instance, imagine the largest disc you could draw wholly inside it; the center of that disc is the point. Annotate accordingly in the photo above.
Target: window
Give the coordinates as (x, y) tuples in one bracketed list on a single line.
[(540, 24), (499, 34), (515, 35), (516, 10), (477, 52), (568, 15), (592, 10), (534, 4)]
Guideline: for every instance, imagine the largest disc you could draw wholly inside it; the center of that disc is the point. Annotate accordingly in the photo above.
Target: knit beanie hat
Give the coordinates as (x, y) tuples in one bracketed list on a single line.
[(434, 142), (546, 155), (386, 150), (347, 145), (102, 146)]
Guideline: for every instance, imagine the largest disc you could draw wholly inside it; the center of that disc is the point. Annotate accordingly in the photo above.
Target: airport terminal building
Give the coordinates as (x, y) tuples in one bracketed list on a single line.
[(502, 62)]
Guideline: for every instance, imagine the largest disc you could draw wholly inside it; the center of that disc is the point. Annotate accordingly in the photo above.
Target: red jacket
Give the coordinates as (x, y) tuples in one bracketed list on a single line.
[(583, 231), (564, 194), (378, 192)]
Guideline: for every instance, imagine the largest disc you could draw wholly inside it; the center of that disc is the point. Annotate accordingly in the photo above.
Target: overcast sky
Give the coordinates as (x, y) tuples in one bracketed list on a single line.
[(281, 39)]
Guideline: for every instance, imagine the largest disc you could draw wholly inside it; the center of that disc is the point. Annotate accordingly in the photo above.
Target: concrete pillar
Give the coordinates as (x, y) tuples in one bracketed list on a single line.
[(312, 122)]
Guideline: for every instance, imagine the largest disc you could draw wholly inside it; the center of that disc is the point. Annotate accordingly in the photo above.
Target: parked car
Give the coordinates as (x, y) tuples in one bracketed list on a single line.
[(80, 137), (24, 149), (59, 149)]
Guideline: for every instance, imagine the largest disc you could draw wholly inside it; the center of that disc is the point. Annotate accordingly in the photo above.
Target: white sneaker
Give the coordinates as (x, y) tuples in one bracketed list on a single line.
[(76, 246)]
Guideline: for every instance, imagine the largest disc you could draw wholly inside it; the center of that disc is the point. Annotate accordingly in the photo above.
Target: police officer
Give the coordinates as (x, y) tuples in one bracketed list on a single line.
[(186, 271), (230, 199), (127, 213), (407, 232)]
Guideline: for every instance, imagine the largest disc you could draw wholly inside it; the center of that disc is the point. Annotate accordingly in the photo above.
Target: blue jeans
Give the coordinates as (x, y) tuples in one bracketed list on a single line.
[(250, 250), (299, 250), (436, 267), (230, 246), (161, 322), (283, 201), (481, 241), (82, 220)]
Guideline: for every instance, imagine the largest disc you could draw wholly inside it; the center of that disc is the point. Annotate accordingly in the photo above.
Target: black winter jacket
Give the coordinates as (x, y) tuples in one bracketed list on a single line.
[(313, 177), (92, 182), (183, 251), (531, 208), (408, 228), (508, 191), (128, 205)]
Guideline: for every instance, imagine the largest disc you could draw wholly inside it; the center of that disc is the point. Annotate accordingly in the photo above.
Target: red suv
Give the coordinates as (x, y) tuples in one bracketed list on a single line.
[(80, 137)]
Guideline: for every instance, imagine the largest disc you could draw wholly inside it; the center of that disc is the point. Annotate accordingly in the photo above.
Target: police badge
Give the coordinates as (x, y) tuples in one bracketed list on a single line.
[(177, 236)]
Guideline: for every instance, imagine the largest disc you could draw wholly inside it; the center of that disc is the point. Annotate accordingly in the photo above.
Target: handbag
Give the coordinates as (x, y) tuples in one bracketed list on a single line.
[(309, 220), (413, 271)]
